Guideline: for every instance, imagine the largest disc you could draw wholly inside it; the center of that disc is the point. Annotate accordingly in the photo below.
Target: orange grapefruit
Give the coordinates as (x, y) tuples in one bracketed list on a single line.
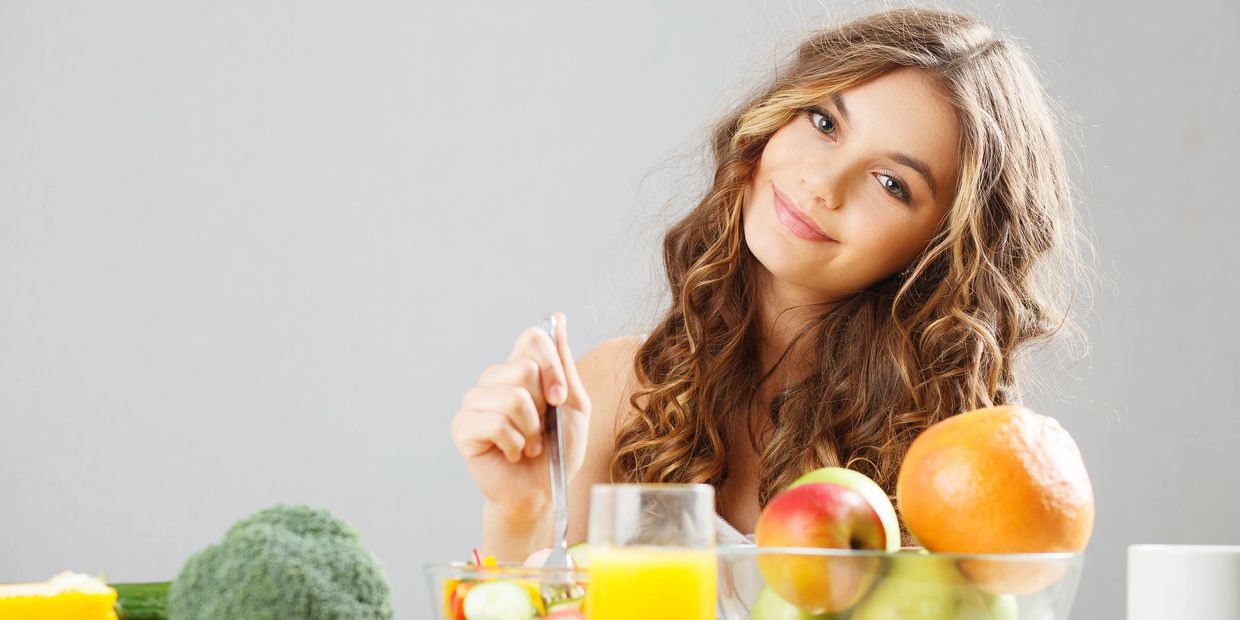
[(997, 480)]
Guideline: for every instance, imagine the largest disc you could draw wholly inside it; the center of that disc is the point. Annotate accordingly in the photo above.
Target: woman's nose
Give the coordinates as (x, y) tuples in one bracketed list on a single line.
[(824, 185)]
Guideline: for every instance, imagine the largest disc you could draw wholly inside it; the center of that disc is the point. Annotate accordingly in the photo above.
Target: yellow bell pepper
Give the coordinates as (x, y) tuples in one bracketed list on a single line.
[(63, 597)]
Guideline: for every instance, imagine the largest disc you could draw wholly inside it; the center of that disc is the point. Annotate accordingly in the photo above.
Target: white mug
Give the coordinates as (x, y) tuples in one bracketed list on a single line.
[(1201, 582)]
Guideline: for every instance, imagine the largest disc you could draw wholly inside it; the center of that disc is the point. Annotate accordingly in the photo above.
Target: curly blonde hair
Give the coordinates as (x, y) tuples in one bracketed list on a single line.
[(914, 348)]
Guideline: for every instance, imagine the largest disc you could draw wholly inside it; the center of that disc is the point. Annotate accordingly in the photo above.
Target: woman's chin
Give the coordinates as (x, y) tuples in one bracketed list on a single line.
[(792, 277)]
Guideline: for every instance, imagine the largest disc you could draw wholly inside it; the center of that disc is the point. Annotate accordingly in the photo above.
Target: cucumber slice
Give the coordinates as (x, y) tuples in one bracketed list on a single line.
[(498, 600)]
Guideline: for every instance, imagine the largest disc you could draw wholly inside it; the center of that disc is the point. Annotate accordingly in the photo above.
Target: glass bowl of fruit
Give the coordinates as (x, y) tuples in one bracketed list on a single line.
[(787, 583), (488, 590)]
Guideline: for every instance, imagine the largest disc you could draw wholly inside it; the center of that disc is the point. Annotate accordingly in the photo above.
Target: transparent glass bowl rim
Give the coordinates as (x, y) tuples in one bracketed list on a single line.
[(506, 570), (905, 552), (515, 570)]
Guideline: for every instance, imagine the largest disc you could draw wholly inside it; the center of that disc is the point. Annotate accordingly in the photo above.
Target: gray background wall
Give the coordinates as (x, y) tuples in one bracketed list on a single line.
[(254, 252)]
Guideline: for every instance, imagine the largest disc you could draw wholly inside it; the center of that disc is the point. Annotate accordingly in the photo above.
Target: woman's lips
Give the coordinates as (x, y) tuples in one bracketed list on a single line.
[(796, 221)]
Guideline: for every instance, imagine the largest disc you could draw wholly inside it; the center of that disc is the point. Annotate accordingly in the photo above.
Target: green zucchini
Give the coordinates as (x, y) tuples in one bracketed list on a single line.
[(141, 601)]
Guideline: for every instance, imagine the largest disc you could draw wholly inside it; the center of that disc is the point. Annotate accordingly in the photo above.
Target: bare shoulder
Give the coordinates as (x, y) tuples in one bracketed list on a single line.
[(615, 351), (609, 377)]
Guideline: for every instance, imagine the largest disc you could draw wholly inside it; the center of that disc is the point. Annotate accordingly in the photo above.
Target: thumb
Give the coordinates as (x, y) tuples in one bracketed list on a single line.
[(577, 397)]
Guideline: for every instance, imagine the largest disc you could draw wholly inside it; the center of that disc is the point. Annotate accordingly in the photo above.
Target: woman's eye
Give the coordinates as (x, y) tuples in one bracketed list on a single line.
[(826, 125), (822, 121), (894, 187)]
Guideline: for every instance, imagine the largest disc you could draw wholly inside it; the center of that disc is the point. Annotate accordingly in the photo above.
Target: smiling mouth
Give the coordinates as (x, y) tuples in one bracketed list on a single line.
[(795, 220)]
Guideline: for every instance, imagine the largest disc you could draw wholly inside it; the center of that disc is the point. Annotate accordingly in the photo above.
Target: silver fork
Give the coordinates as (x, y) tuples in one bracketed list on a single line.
[(554, 441)]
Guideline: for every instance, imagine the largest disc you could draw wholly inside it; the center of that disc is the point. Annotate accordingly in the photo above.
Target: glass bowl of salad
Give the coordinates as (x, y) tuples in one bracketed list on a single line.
[(489, 590)]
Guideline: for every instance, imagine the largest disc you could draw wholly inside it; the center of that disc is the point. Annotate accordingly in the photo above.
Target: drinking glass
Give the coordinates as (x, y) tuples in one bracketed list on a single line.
[(652, 552)]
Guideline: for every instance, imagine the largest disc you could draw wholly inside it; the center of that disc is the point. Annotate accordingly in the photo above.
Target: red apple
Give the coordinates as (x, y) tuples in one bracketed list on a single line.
[(868, 489), (821, 515)]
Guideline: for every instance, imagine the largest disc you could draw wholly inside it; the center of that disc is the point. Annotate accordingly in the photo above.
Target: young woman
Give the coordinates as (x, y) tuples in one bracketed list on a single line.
[(889, 224)]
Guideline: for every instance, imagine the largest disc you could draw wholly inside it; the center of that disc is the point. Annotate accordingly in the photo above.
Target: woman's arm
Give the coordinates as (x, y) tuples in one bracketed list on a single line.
[(610, 376)]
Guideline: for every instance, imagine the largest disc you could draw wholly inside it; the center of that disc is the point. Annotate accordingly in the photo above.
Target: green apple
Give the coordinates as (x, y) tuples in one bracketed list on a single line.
[(923, 587), (769, 606), (868, 489), (580, 554)]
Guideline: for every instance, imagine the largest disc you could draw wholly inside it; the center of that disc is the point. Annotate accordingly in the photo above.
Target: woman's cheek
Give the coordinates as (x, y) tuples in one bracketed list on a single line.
[(883, 242)]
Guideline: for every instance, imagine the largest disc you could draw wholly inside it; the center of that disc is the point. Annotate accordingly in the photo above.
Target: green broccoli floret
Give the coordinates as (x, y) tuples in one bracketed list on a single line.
[(287, 563)]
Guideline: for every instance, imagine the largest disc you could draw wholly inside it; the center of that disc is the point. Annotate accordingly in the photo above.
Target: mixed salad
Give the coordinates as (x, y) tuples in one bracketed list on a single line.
[(509, 593)]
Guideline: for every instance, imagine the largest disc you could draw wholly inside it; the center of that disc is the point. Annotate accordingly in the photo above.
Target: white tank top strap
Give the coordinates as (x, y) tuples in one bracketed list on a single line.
[(726, 534)]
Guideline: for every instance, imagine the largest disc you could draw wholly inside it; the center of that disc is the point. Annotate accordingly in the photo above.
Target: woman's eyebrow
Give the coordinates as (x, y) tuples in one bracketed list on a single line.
[(838, 100), (908, 160), (918, 165)]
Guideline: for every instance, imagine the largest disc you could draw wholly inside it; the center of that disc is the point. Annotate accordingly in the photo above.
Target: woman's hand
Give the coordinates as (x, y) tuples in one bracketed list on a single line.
[(498, 429)]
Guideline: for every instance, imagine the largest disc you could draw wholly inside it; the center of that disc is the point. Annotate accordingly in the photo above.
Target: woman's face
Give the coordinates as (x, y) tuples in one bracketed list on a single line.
[(852, 169)]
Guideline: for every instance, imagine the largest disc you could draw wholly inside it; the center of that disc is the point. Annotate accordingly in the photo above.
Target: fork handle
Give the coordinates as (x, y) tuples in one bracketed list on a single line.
[(554, 440), (559, 481)]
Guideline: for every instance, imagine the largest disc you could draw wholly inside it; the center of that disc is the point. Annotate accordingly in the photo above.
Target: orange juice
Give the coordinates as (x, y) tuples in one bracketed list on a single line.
[(651, 583)]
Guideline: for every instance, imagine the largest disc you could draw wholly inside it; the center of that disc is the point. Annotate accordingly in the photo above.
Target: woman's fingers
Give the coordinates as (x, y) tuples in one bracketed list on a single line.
[(522, 371), (477, 431), (506, 407), (534, 343), (515, 402), (577, 397)]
